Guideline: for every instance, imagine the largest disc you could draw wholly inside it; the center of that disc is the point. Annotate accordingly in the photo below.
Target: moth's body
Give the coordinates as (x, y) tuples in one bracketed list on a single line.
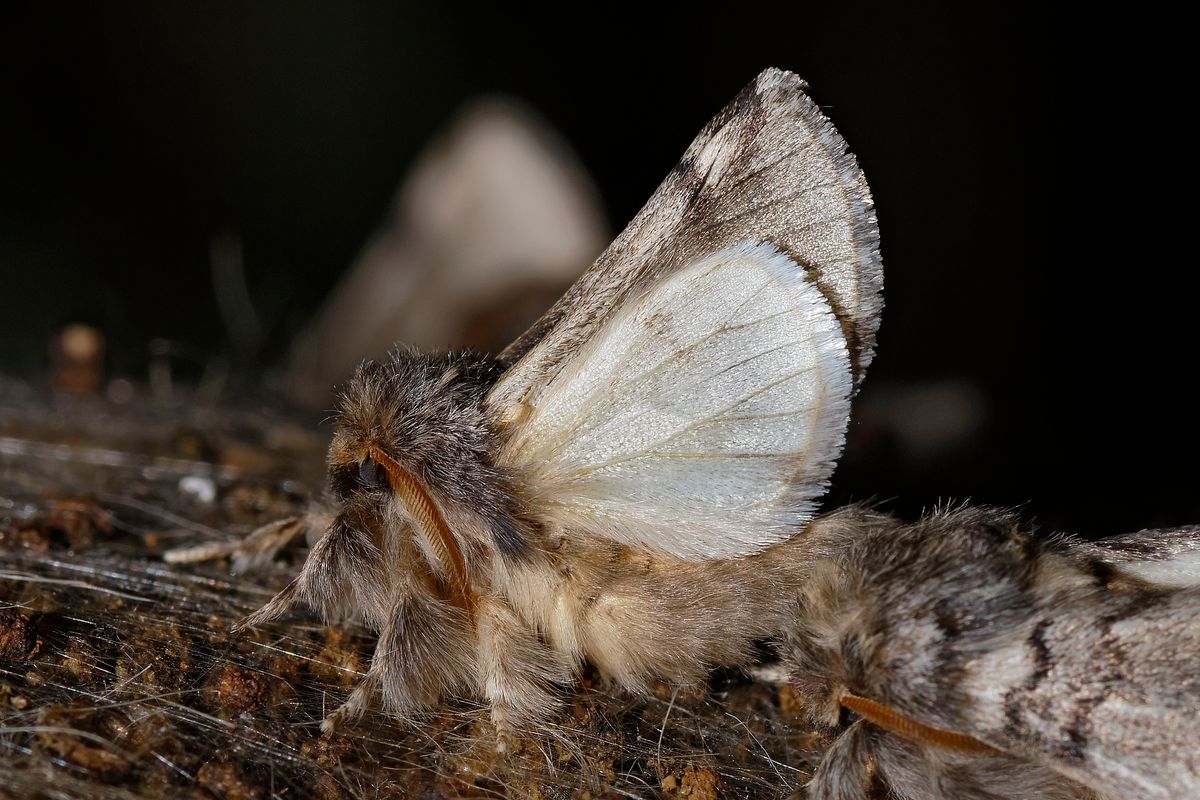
[(641, 617), (537, 607), (962, 622), (1052, 651), (634, 483)]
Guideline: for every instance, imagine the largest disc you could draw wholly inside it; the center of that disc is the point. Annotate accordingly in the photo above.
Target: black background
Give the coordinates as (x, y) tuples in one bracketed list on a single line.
[(1033, 172)]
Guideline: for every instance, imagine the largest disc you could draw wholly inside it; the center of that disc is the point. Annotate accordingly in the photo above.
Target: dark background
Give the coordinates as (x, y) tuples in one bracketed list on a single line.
[(1033, 174)]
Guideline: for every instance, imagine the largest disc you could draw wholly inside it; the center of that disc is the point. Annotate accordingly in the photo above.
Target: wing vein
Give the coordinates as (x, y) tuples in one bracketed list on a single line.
[(639, 380), (745, 176), (630, 420), (694, 423)]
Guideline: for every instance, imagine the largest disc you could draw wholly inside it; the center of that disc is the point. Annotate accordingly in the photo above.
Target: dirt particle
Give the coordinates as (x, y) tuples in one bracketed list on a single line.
[(56, 737), (78, 521), (326, 788), (694, 783), (237, 689), (790, 702), (24, 538), (96, 759), (19, 641), (79, 660), (325, 751), (226, 782), (73, 522), (77, 353), (340, 660)]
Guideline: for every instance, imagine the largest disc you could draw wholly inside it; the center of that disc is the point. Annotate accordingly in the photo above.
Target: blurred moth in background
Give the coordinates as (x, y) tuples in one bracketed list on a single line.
[(496, 219), (634, 483)]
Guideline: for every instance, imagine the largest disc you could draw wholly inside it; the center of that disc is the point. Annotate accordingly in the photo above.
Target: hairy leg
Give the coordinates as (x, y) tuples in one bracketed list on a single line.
[(844, 772), (259, 548), (425, 649), (516, 671)]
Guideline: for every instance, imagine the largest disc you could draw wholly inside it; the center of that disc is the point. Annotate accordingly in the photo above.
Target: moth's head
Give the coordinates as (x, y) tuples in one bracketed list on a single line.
[(413, 439), (421, 412)]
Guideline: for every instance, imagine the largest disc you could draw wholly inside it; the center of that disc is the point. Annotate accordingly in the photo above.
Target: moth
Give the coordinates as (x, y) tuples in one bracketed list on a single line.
[(492, 222), (634, 483)]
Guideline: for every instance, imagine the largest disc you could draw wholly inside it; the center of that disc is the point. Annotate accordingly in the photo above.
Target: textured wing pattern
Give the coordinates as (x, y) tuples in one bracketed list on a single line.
[(769, 168), (703, 419)]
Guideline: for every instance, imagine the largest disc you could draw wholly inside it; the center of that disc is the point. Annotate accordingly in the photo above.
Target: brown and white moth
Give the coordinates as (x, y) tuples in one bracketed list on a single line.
[(633, 483)]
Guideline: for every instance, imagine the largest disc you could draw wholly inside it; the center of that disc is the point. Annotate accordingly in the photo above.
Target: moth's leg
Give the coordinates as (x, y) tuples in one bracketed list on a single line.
[(249, 552), (342, 574), (845, 771), (357, 703), (274, 608), (425, 649), (260, 547), (517, 672)]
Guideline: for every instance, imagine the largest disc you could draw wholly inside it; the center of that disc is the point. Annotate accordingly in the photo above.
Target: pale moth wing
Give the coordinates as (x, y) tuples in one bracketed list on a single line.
[(770, 167), (1167, 558), (1102, 688), (703, 419), (690, 392)]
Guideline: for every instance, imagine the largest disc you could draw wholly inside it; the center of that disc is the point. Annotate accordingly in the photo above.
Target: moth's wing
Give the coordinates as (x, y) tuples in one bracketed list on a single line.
[(1100, 682), (1103, 688), (1169, 557), (702, 419), (771, 168), (1043, 649)]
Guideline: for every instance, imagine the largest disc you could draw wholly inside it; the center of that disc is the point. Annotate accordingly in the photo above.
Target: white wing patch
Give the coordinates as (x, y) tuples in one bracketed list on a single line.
[(1180, 571), (703, 419)]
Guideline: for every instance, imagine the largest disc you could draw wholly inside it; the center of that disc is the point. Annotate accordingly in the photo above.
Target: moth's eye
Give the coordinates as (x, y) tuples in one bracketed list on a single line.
[(371, 475)]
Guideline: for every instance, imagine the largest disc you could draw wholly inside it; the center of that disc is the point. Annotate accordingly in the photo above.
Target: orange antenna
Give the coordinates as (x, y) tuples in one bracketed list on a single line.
[(429, 517), (891, 720)]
